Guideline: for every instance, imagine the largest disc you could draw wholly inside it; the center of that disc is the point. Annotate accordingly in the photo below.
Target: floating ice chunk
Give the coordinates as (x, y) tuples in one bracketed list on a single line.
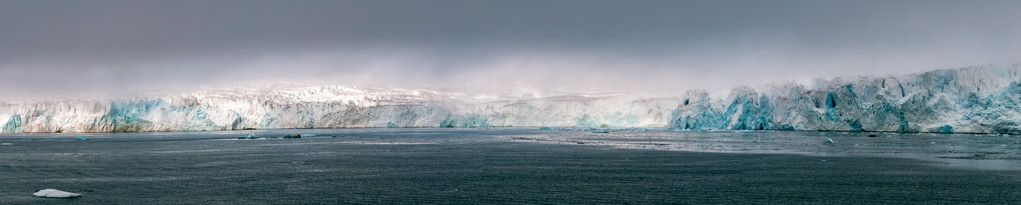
[(6, 144), (250, 137), (53, 193), (828, 141), (307, 135)]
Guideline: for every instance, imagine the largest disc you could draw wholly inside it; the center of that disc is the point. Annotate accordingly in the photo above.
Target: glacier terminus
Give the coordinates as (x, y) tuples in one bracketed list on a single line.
[(980, 99)]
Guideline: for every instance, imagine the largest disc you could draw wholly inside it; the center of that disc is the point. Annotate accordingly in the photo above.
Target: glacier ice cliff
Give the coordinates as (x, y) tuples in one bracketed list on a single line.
[(277, 106), (982, 99)]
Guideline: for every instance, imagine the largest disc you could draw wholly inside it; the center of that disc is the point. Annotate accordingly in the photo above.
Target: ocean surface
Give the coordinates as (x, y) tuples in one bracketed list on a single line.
[(523, 166)]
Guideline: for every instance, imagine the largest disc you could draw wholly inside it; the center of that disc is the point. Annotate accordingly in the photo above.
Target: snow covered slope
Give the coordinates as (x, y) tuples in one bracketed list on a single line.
[(984, 99)]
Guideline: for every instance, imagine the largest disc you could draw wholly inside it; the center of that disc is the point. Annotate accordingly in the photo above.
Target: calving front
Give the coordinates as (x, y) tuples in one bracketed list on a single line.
[(985, 99)]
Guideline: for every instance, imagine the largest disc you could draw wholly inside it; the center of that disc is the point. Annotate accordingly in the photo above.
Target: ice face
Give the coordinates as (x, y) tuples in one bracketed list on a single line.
[(984, 99), (329, 106), (968, 100)]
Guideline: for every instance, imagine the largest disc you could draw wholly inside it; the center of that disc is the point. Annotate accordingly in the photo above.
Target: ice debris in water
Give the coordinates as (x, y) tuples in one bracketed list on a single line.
[(53, 193), (81, 138), (5, 143), (828, 141), (250, 136)]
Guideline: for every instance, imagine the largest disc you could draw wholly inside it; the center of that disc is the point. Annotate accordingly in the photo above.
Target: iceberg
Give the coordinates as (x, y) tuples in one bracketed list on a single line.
[(53, 193)]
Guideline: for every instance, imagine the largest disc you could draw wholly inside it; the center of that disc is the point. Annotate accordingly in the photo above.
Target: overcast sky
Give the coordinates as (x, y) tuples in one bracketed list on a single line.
[(83, 46)]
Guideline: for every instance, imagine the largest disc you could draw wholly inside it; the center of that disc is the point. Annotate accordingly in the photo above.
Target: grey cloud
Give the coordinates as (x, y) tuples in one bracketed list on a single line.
[(98, 46)]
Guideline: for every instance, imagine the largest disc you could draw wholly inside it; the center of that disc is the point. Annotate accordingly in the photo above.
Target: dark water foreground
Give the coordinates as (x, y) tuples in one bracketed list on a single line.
[(462, 166)]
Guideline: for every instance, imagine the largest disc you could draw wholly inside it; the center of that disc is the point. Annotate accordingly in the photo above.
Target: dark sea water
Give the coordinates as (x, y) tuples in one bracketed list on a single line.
[(456, 166)]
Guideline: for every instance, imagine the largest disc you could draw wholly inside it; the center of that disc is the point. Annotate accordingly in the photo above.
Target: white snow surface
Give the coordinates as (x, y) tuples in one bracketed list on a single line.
[(981, 99)]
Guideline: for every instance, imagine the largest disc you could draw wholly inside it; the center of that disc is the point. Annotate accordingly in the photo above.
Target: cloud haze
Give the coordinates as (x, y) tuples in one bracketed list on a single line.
[(66, 47)]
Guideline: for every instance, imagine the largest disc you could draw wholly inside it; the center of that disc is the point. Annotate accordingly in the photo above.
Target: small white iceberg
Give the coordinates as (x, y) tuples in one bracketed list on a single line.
[(53, 193)]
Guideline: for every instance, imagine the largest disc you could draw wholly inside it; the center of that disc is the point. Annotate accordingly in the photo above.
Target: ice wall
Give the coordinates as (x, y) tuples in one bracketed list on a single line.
[(983, 99), (331, 106)]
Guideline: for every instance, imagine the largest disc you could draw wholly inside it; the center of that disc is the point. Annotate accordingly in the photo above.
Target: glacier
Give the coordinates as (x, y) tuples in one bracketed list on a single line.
[(979, 99), (297, 105)]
